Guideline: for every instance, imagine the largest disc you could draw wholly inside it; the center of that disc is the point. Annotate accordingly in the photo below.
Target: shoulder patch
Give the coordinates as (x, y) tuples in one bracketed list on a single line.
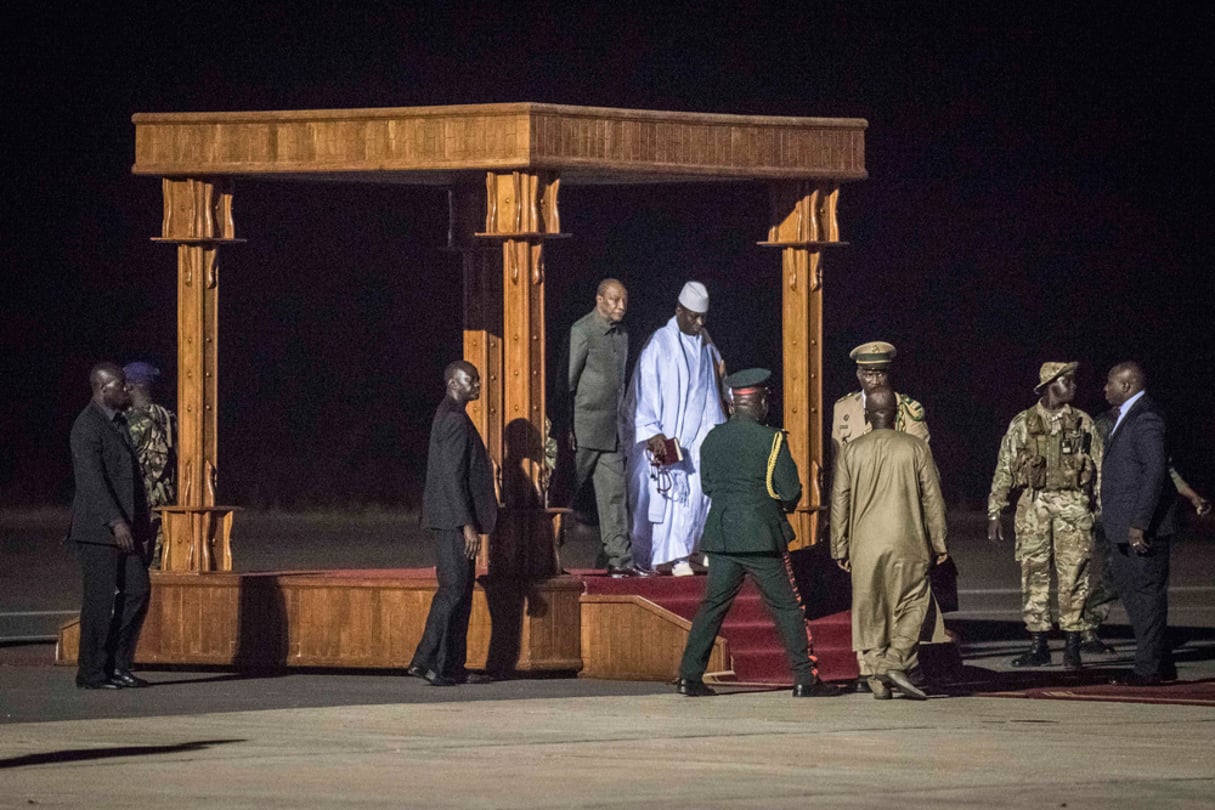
[(912, 408)]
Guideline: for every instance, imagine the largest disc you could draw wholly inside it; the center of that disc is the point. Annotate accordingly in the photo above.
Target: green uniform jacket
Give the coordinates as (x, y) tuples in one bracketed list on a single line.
[(738, 471)]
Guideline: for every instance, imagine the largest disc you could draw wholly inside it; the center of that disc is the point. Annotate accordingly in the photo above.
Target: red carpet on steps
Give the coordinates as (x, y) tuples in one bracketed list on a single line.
[(759, 656)]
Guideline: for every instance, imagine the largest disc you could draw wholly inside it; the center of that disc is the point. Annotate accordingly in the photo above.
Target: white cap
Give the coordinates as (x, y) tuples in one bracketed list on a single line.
[(694, 297)]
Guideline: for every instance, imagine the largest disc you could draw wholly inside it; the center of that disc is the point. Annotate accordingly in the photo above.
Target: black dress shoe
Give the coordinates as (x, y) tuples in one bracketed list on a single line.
[(435, 679), (416, 671), (476, 678), (1135, 679), (106, 684), (899, 680), (816, 688), (127, 680), (689, 687), (861, 686), (630, 570)]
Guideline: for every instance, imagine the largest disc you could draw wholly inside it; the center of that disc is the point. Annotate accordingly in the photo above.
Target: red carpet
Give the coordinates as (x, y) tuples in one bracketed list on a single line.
[(759, 656), (1186, 693)]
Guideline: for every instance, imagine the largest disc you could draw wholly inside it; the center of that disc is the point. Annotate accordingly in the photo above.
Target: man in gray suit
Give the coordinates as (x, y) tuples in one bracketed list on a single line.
[(588, 408)]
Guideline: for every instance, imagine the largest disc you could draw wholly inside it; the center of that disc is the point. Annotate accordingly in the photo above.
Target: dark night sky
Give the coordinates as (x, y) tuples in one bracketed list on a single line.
[(1039, 189)]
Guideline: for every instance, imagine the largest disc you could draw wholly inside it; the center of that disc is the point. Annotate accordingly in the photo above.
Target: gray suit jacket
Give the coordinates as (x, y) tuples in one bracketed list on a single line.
[(598, 355), (109, 485)]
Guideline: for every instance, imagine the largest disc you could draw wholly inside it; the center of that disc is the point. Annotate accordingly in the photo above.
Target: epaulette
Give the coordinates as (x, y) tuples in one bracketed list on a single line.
[(848, 396), (914, 409)]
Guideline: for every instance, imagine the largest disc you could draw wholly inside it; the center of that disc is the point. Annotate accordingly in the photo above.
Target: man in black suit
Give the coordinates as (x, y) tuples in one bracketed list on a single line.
[(1137, 516), (111, 529), (458, 506)]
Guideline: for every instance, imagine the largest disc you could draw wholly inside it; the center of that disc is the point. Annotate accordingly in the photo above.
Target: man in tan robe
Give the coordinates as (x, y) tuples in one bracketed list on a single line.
[(887, 522)]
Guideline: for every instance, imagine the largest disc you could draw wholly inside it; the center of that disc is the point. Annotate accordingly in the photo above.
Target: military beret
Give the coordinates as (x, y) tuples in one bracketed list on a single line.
[(140, 372), (876, 354), (748, 378), (1051, 372)]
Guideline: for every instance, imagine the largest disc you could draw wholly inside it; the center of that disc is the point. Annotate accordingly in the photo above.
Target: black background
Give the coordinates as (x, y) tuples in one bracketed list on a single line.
[(1039, 190)]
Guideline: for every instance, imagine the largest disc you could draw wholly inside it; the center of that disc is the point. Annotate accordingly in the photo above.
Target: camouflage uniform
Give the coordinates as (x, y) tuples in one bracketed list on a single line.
[(1055, 458), (154, 433)]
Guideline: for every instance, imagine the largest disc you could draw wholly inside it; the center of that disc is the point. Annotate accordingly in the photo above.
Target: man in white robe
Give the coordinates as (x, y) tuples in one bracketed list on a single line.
[(675, 393)]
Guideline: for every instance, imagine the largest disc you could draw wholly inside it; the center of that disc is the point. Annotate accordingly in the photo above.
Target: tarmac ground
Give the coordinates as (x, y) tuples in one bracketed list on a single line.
[(316, 738)]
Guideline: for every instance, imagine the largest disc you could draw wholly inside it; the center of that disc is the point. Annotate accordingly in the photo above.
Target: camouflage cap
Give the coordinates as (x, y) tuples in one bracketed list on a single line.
[(141, 372), (876, 354), (1052, 371), (748, 379)]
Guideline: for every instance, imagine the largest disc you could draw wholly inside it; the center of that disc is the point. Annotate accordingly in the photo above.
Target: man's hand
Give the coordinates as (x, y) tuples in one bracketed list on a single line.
[(472, 542), (1138, 541), (123, 537), (941, 558), (573, 441), (657, 445), (845, 564), (995, 532), (1201, 505)]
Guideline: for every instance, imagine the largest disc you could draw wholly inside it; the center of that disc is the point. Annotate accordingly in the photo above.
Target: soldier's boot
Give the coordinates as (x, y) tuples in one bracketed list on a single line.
[(1071, 651), (1090, 642), (1038, 655)]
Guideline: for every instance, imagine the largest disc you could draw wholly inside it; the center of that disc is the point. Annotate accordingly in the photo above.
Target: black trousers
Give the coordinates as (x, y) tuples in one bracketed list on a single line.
[(444, 644), (725, 580), (1142, 581), (115, 592)]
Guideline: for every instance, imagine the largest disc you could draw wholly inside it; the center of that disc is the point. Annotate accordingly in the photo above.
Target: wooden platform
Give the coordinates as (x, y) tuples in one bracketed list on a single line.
[(373, 619)]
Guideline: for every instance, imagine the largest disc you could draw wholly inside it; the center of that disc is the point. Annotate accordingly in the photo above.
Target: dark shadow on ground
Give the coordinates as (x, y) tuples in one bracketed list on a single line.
[(86, 754)]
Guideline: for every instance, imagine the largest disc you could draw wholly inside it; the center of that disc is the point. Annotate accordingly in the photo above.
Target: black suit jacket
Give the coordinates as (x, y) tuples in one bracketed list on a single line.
[(459, 480), (109, 486), (1134, 474)]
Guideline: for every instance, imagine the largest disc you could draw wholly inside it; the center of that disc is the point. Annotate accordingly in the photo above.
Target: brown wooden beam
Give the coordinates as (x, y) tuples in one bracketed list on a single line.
[(198, 219), (803, 220)]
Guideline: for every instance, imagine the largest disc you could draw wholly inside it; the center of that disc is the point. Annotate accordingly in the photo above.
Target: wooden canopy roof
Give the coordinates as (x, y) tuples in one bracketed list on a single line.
[(441, 145)]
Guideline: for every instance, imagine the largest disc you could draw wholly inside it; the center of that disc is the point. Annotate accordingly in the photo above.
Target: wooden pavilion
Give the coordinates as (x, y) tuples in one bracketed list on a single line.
[(503, 165)]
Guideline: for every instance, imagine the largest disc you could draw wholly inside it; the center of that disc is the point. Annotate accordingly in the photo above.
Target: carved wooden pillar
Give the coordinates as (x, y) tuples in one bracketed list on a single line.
[(198, 220), (482, 283), (521, 212), (803, 222)]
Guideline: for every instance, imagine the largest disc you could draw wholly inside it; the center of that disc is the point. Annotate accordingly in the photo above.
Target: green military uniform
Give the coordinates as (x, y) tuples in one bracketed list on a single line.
[(153, 431), (1055, 458), (752, 479)]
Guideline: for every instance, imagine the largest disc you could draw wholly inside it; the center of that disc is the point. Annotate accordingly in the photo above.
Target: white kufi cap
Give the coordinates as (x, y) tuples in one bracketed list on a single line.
[(694, 297)]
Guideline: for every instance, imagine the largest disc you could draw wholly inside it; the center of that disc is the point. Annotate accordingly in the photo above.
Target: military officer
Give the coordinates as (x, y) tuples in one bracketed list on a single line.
[(153, 430), (1052, 453), (873, 361), (747, 470)]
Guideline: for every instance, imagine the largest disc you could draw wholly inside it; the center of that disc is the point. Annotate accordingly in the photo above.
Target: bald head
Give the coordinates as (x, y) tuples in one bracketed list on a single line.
[(611, 300), (462, 382), (881, 406), (109, 384)]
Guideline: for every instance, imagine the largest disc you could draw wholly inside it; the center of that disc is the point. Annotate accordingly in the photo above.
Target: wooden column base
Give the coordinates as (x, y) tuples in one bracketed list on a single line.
[(197, 539)]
